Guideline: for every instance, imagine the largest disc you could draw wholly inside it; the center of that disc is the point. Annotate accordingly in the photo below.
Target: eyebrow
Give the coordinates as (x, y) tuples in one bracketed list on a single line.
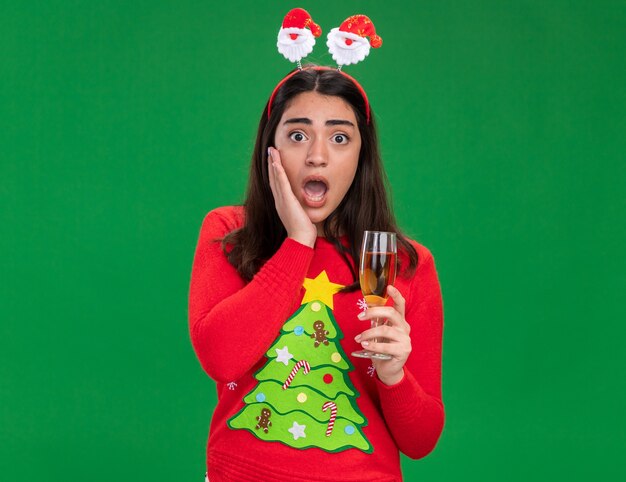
[(330, 122)]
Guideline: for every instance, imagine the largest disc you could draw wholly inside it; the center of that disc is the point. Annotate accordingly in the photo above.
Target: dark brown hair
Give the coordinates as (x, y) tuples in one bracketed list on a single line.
[(364, 207)]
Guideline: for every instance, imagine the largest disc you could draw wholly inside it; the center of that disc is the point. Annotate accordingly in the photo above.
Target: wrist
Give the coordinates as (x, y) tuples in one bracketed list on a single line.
[(390, 380), (304, 239)]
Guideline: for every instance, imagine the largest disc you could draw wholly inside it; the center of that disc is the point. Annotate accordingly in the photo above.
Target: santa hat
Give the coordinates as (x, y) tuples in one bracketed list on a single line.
[(300, 18), (362, 26)]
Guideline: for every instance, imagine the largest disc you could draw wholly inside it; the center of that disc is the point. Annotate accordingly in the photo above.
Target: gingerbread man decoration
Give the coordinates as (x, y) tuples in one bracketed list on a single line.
[(264, 420), (320, 333)]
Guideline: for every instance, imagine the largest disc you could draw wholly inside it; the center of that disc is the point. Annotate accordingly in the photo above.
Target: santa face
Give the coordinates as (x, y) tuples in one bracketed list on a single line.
[(319, 144), (347, 48), (295, 43)]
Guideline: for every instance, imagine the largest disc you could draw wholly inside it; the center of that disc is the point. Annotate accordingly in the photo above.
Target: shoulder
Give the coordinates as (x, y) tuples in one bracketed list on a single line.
[(424, 256), (221, 221), (423, 284)]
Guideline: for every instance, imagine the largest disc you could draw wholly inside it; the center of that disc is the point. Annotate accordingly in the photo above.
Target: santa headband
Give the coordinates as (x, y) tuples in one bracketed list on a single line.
[(348, 45)]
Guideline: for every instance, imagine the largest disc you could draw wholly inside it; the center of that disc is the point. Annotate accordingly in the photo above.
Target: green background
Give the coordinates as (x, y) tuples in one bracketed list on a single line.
[(122, 123)]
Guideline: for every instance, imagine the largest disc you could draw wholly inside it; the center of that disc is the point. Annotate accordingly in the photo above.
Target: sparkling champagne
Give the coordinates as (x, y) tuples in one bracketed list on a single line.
[(379, 271)]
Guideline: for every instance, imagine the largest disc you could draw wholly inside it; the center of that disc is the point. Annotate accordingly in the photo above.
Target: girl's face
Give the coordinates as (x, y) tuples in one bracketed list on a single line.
[(319, 143)]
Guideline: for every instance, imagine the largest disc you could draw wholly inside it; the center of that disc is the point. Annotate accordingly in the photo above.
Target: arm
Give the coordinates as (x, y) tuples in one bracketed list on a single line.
[(232, 323), (413, 408)]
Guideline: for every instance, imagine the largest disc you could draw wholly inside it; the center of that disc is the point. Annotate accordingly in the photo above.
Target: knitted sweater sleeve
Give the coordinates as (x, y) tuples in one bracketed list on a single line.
[(232, 323), (413, 408)]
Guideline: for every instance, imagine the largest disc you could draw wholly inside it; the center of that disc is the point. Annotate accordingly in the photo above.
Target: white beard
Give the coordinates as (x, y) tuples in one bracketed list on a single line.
[(347, 54), (297, 49)]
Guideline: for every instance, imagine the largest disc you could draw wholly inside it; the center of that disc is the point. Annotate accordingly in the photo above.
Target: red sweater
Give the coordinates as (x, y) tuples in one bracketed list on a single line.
[(233, 324)]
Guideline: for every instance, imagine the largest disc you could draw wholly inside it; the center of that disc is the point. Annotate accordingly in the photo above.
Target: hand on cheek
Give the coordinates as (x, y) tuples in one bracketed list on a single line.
[(297, 224)]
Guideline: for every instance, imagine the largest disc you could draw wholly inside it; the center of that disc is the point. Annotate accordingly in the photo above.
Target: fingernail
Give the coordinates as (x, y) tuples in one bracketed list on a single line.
[(269, 152), (365, 343), (361, 315), (357, 338)]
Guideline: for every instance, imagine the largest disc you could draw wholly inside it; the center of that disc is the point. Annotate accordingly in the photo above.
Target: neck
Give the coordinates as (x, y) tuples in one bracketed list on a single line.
[(320, 230)]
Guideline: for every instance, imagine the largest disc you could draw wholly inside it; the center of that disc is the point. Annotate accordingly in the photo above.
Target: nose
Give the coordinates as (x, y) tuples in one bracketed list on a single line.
[(317, 155)]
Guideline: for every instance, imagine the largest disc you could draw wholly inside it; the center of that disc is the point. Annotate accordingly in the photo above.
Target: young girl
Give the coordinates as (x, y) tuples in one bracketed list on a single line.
[(275, 307)]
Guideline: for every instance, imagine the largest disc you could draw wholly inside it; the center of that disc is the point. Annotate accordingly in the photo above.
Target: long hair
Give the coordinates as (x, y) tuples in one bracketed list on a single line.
[(364, 207)]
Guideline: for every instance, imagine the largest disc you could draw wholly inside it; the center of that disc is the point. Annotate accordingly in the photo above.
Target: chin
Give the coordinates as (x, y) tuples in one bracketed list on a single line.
[(317, 218)]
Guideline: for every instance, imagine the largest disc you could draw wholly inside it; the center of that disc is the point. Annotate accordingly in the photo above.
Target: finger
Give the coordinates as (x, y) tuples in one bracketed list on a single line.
[(383, 331), (271, 171), (396, 350), (282, 181), (399, 303), (380, 336), (275, 155), (383, 312), (283, 195), (275, 167)]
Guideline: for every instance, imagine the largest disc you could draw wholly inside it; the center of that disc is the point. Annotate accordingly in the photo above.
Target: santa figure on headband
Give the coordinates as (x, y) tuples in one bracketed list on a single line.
[(348, 44), (296, 37)]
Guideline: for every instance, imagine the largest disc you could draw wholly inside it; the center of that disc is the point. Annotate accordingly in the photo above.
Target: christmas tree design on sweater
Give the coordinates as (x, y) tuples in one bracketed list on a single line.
[(304, 397)]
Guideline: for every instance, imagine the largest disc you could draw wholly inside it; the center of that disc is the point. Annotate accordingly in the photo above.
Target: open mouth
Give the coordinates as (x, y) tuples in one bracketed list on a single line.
[(315, 189)]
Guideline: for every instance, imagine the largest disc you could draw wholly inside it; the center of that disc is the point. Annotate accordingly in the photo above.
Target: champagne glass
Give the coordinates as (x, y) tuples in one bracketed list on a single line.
[(377, 270)]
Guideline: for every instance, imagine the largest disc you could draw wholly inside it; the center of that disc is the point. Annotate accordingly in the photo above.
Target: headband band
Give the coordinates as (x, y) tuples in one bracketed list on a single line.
[(316, 67)]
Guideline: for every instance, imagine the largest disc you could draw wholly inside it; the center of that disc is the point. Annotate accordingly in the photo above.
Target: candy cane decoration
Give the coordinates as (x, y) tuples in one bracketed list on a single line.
[(333, 416), (300, 364)]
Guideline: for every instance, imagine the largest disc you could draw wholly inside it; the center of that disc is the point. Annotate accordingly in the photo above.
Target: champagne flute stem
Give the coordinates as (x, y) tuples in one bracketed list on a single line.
[(377, 322)]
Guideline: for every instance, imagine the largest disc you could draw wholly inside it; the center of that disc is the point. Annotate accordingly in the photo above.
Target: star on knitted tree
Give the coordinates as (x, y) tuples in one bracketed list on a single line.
[(320, 288), (304, 397)]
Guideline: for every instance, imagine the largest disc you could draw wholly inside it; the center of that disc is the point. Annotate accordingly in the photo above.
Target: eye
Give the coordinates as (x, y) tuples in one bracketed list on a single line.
[(297, 136), (340, 139)]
